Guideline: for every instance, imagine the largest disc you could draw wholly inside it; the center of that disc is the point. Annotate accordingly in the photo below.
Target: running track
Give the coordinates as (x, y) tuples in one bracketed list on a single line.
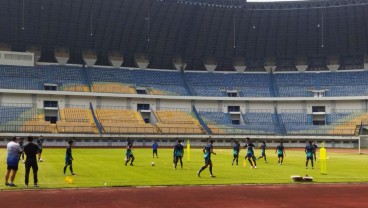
[(297, 195)]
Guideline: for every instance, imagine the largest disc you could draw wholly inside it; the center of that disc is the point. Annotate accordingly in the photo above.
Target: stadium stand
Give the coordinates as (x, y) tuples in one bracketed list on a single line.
[(76, 120), (15, 118), (177, 122), (124, 81), (108, 80), (220, 123), (160, 82), (119, 121), (294, 84), (112, 87), (34, 78), (216, 84)]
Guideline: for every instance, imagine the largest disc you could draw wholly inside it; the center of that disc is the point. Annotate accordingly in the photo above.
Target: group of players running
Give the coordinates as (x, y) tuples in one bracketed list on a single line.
[(178, 154)]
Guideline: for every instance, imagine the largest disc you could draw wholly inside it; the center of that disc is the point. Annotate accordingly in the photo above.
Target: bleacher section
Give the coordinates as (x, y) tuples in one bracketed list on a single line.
[(217, 84), (255, 123), (112, 87), (34, 78), (76, 120), (295, 84), (117, 80), (177, 122), (108, 80), (118, 121), (160, 82), (22, 119), (337, 124)]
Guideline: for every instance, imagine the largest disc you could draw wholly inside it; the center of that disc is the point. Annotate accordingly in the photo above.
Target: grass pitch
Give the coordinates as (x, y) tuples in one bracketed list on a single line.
[(105, 167)]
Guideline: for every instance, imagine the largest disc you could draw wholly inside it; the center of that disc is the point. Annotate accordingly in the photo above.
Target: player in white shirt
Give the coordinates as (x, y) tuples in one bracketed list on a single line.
[(12, 161)]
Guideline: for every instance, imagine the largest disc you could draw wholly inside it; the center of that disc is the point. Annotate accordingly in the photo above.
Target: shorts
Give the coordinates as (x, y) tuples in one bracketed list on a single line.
[(236, 155), (280, 155), (12, 167), (129, 156), (207, 160), (263, 154), (178, 157), (154, 151), (310, 158), (249, 155), (68, 162), (39, 150)]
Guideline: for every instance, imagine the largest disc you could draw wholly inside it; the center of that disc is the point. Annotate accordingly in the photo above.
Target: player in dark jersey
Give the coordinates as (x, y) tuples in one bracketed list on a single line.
[(39, 142), (280, 153), (263, 153), (250, 153), (69, 158), (31, 151), (309, 152), (178, 154), (236, 150), (315, 147), (129, 154), (21, 144), (207, 150)]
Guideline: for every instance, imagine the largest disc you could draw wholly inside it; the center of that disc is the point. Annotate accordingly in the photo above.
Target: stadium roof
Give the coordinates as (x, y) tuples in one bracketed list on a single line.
[(163, 30)]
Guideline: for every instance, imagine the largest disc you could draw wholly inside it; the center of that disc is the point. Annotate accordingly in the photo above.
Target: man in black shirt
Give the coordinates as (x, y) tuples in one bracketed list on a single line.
[(31, 150), (69, 158)]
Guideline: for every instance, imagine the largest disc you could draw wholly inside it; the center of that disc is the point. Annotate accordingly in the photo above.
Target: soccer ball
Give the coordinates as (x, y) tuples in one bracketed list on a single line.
[(152, 164)]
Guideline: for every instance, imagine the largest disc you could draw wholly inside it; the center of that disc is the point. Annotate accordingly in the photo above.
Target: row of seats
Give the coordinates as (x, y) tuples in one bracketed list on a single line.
[(78, 120), (118, 80), (174, 122)]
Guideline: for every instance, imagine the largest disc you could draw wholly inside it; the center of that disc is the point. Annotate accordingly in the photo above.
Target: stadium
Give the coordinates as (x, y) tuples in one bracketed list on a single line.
[(103, 73)]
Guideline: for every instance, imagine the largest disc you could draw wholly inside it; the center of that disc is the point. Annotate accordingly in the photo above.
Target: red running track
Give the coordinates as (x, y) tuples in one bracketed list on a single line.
[(297, 195)]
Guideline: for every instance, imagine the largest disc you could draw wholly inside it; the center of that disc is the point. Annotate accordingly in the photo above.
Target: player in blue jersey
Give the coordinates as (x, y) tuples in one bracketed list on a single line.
[(250, 153), (12, 161), (178, 154), (129, 154), (207, 150), (39, 142), (154, 149), (280, 150), (315, 147), (309, 152), (263, 153), (69, 158), (236, 150)]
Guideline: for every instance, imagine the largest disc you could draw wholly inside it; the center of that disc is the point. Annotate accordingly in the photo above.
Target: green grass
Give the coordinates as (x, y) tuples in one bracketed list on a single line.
[(95, 167)]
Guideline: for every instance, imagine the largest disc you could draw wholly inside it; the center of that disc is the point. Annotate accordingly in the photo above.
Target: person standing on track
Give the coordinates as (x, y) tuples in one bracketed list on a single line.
[(129, 154), (154, 149), (12, 161), (280, 153), (250, 153), (207, 150), (309, 152), (178, 154), (236, 150), (31, 151), (69, 158), (39, 142), (263, 153)]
